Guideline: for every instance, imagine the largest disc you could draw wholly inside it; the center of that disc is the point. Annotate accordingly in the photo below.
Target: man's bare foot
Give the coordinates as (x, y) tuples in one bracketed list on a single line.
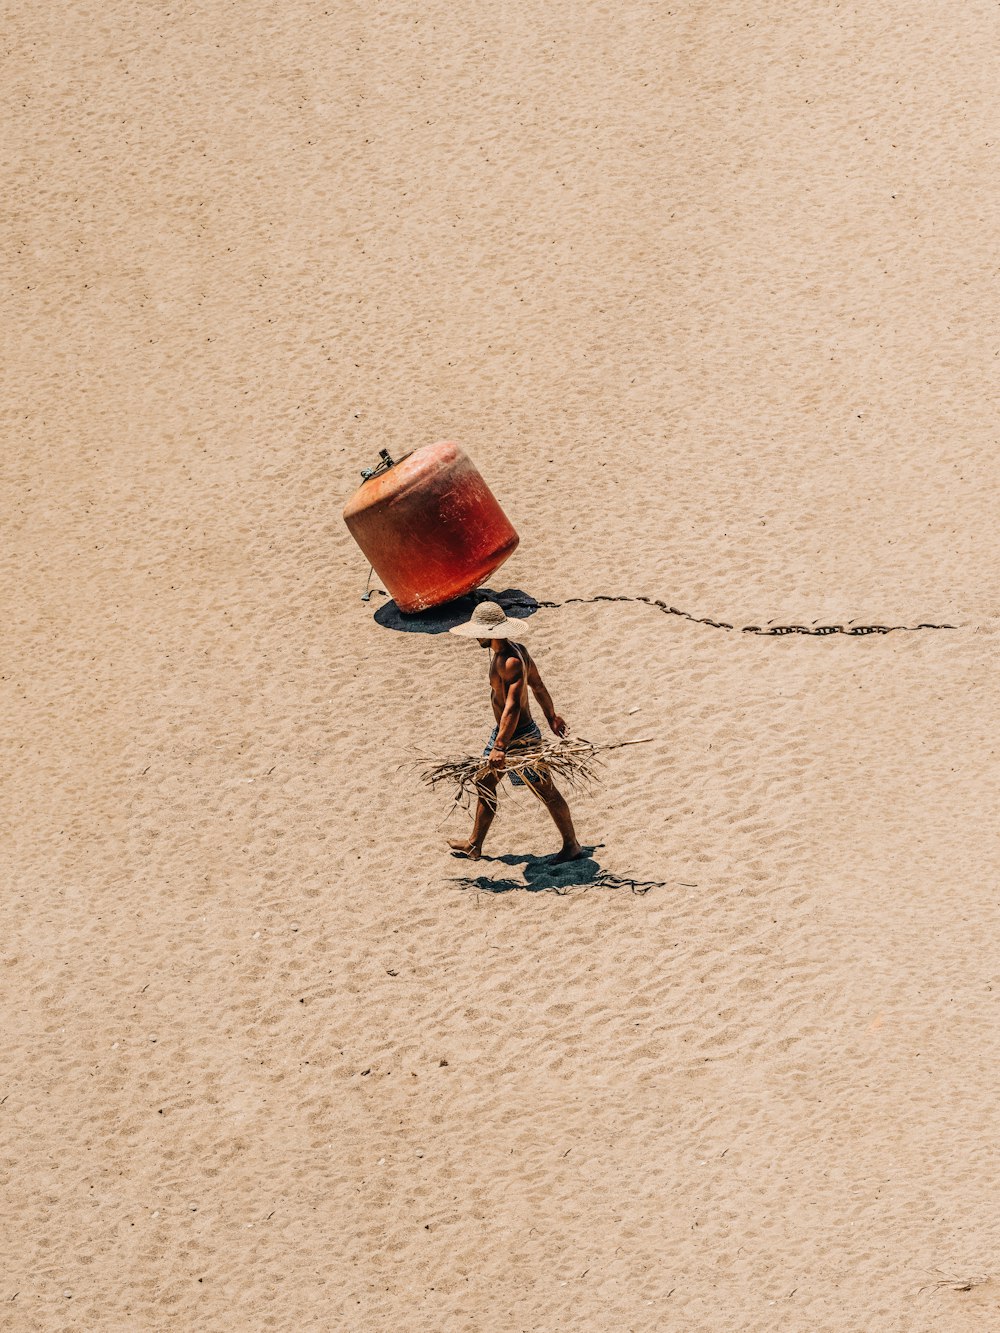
[(571, 853), (464, 847)]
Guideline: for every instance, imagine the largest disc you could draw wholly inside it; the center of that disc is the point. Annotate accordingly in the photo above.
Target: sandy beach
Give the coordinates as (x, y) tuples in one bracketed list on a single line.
[(709, 294)]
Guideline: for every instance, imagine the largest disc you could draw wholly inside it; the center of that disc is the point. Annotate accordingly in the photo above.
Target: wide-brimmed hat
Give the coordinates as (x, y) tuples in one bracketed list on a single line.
[(489, 621)]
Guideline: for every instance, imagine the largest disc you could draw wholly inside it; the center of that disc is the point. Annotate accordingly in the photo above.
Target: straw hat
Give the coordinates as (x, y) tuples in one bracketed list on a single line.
[(490, 622)]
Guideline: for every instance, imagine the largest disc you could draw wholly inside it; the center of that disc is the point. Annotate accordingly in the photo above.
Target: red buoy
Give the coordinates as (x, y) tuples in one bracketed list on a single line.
[(430, 526)]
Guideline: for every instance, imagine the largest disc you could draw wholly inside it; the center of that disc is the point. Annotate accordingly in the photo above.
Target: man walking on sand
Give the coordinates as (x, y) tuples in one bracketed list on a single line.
[(512, 672)]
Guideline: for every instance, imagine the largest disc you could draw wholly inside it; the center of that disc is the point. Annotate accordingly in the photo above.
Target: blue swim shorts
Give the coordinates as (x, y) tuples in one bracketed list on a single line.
[(526, 735)]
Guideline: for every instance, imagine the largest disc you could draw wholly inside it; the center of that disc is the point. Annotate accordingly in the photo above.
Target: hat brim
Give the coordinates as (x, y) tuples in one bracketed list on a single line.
[(505, 629)]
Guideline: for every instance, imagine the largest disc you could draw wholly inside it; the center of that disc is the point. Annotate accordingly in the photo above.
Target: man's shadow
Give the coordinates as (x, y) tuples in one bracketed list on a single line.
[(541, 875), (440, 619)]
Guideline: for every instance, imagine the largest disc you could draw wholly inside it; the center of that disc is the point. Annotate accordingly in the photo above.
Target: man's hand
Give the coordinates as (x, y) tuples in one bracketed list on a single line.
[(497, 759), (557, 724)]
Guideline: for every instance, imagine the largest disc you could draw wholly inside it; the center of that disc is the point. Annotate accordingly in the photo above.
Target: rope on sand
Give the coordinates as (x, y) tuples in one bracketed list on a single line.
[(533, 604), (722, 624)]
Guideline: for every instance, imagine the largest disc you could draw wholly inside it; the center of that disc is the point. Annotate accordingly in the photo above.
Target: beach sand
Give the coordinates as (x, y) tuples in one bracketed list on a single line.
[(709, 295)]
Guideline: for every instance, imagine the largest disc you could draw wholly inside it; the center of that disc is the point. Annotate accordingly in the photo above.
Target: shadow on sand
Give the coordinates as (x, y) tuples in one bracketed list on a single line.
[(439, 619), (542, 876)]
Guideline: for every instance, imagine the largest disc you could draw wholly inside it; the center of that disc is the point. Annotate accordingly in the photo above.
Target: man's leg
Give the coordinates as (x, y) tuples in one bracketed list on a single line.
[(554, 801), (486, 808)]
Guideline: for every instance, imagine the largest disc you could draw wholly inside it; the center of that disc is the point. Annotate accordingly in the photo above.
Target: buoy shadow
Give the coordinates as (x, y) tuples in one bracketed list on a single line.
[(440, 619)]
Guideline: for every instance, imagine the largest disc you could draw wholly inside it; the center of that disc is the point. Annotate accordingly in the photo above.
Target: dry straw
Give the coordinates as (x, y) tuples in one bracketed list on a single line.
[(575, 762)]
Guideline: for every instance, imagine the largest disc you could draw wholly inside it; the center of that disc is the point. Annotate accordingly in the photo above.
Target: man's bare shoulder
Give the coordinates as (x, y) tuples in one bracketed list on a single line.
[(528, 662), (513, 665)]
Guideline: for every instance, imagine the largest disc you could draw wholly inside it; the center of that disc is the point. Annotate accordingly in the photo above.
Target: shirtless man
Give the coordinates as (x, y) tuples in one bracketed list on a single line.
[(512, 672)]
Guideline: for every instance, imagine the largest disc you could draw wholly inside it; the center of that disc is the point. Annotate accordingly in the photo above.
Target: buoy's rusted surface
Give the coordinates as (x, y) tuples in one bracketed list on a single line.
[(430, 526)]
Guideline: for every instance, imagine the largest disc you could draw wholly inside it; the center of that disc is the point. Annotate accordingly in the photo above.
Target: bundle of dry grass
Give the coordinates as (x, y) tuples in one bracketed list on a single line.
[(575, 762)]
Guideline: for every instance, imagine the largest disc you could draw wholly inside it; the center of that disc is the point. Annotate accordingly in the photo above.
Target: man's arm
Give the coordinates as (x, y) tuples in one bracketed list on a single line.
[(513, 674), (545, 700)]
